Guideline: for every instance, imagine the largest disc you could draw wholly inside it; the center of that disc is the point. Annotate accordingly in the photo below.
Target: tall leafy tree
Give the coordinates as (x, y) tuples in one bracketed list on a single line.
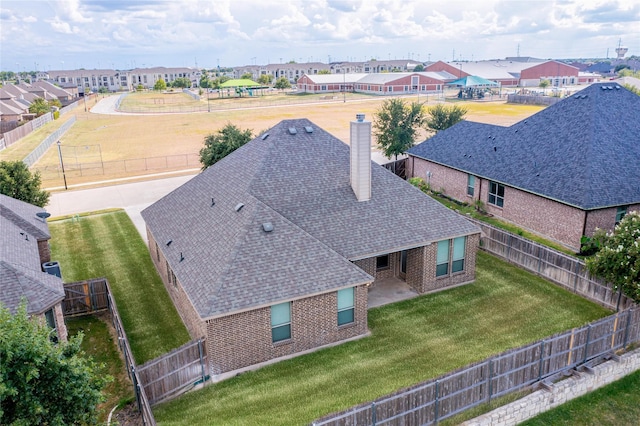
[(441, 116), (224, 142), (265, 79), (160, 85), (41, 382), (39, 106), (419, 68), (17, 181), (618, 260), (181, 83), (396, 126), (247, 76), (282, 83)]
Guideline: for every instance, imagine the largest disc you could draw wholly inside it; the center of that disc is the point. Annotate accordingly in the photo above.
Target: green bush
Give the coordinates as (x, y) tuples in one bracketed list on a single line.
[(56, 115)]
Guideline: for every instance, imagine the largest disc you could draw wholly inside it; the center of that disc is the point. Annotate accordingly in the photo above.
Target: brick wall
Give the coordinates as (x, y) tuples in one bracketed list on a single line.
[(44, 250), (244, 339), (187, 312), (604, 218), (561, 392), (554, 220)]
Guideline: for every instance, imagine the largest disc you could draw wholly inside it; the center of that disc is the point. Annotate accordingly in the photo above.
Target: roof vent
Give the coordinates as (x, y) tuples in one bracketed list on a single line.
[(213, 202), (603, 87), (308, 129), (43, 215), (181, 257), (292, 131), (617, 87), (263, 137), (495, 148), (238, 207), (267, 227), (169, 243)]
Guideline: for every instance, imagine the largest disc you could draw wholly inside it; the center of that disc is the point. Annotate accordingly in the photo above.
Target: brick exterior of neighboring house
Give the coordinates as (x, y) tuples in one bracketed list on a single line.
[(286, 232), (564, 171)]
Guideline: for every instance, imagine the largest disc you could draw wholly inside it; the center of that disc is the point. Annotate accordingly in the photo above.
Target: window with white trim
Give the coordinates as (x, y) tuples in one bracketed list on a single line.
[(496, 194), (346, 306), (281, 322), (450, 256)]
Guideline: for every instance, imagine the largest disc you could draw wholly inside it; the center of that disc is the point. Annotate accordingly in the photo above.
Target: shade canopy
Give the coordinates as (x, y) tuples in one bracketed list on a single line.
[(242, 82), (473, 81)]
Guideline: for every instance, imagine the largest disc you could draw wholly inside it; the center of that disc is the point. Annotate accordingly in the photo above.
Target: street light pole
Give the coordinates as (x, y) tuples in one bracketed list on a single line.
[(344, 86), (64, 176)]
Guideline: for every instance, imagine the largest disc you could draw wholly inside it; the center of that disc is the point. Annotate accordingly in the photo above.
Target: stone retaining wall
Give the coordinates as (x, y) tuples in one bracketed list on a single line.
[(561, 392)]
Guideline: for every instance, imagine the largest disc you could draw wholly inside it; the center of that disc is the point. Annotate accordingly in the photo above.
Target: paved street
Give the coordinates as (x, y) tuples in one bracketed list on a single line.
[(133, 197)]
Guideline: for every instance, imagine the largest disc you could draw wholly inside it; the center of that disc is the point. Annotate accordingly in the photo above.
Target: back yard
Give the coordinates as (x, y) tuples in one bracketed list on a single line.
[(411, 341), (108, 245)]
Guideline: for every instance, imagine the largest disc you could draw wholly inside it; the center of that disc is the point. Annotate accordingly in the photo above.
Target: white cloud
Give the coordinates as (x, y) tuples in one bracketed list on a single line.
[(62, 27)]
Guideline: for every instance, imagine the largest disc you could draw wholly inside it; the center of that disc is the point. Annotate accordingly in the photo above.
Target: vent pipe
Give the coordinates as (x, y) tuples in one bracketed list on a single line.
[(360, 163)]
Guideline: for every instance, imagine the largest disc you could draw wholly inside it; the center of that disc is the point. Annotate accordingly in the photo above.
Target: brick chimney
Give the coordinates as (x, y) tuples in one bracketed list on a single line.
[(360, 176)]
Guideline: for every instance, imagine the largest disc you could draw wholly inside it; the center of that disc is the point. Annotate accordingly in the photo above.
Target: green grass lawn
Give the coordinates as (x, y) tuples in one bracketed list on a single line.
[(99, 344), (108, 245), (615, 405), (411, 341)]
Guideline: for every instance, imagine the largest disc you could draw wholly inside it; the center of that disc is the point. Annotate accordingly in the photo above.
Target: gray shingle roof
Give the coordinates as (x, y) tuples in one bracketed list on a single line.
[(21, 275), (583, 151), (300, 184)]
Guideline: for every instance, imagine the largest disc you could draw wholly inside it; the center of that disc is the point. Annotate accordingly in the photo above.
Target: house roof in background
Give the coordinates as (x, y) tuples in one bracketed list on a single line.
[(300, 184), (582, 151)]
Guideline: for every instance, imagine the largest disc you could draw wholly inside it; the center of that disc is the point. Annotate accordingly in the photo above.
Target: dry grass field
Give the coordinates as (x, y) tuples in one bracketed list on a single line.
[(109, 139)]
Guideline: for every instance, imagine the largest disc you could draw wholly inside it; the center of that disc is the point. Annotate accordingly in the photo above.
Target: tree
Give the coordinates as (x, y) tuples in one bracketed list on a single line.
[(440, 117), (160, 85), (282, 83), (265, 79), (181, 83), (544, 84), (218, 81), (42, 382), (618, 260), (247, 76), (621, 67), (396, 125), (419, 68), (324, 72), (17, 182), (224, 142), (39, 107), (632, 89)]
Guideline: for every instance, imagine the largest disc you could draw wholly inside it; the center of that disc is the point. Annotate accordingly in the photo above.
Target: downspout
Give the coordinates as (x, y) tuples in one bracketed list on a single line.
[(584, 224)]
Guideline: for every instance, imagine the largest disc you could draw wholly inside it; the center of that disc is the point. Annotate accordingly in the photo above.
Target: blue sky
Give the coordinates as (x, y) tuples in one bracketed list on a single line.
[(123, 34)]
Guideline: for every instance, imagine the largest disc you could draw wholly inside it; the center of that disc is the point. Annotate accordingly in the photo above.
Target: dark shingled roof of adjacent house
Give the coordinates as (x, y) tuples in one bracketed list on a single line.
[(300, 184), (21, 275), (583, 151)]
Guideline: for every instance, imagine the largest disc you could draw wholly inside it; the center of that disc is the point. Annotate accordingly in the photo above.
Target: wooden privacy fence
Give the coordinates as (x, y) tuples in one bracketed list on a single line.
[(513, 370), (18, 133), (566, 271), (175, 372), (85, 297)]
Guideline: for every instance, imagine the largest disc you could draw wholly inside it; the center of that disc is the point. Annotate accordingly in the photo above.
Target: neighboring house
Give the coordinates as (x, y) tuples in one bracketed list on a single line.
[(270, 252), (24, 249), (563, 172)]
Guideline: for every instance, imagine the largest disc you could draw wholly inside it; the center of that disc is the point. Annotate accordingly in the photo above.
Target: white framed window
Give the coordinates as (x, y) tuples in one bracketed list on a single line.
[(281, 322), (382, 262), (450, 256), (442, 259), (346, 306)]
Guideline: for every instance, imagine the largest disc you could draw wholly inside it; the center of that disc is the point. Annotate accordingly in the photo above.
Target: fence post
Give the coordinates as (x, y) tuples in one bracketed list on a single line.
[(201, 359), (373, 413), (541, 360), (586, 346), (435, 414), (575, 277), (539, 259), (619, 298), (626, 329), (136, 387), (490, 378)]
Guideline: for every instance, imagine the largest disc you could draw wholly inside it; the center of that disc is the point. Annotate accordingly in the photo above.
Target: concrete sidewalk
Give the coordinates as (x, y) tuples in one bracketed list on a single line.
[(133, 197)]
